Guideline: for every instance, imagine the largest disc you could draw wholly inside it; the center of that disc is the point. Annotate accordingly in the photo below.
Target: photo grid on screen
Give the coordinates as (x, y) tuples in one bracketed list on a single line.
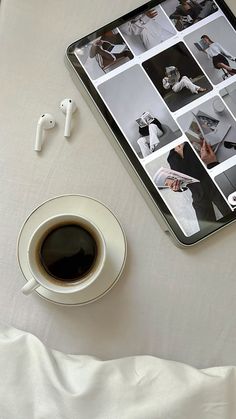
[(168, 78)]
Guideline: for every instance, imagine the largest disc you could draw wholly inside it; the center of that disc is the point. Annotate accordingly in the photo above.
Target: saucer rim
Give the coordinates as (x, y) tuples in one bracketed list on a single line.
[(113, 283)]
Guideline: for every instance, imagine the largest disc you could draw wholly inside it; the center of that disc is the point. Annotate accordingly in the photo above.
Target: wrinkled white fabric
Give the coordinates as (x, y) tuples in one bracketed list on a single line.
[(39, 383)]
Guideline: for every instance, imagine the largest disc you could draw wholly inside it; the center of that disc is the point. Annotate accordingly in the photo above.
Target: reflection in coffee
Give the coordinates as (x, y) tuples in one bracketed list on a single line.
[(68, 252)]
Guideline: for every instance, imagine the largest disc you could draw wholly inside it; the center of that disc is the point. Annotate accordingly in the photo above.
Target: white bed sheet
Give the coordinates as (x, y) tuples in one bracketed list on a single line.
[(39, 383)]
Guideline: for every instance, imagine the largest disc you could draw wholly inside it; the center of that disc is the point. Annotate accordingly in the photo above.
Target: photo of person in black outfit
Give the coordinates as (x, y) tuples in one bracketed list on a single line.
[(185, 13), (214, 47), (189, 9), (204, 193)]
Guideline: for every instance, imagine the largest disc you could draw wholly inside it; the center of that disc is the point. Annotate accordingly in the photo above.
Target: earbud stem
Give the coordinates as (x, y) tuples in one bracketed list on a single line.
[(38, 140), (68, 120)]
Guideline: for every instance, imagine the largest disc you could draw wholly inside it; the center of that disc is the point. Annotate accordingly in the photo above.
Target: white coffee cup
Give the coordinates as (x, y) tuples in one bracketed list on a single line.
[(232, 199), (41, 277)]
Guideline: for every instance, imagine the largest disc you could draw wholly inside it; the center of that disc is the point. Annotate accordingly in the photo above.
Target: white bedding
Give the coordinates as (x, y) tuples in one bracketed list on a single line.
[(39, 383)]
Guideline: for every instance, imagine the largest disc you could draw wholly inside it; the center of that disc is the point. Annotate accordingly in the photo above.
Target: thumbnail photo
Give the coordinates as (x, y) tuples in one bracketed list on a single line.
[(187, 189), (229, 96), (214, 46), (211, 129), (184, 13), (227, 183), (177, 76), (139, 111), (147, 30), (103, 54)]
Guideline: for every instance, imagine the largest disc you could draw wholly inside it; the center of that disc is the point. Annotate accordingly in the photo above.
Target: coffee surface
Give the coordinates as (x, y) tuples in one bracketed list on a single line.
[(68, 252)]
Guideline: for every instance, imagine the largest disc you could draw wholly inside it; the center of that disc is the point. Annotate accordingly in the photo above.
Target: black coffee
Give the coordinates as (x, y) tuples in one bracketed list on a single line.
[(68, 252)]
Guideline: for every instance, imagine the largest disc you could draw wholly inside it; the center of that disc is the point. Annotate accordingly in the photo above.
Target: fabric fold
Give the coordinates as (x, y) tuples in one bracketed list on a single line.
[(37, 383)]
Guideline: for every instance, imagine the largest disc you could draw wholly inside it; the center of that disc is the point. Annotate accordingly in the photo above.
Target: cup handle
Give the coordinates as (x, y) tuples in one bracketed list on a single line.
[(31, 285)]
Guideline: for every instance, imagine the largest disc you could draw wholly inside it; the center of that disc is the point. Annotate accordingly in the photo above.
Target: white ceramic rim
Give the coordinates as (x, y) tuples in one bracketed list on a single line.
[(114, 276), (69, 287)]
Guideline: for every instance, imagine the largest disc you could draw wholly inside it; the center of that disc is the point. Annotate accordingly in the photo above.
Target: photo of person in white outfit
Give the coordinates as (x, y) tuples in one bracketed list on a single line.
[(218, 55), (178, 83), (150, 136), (177, 76), (143, 117), (151, 28), (103, 54)]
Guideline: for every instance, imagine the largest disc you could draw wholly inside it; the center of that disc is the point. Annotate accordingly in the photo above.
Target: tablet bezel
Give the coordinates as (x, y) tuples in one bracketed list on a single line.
[(119, 137)]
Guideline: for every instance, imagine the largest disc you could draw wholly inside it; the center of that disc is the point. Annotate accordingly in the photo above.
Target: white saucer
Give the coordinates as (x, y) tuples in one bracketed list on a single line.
[(106, 222)]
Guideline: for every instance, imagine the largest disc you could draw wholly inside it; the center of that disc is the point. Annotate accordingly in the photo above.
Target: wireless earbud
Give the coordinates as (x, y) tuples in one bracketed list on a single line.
[(46, 121), (68, 107)]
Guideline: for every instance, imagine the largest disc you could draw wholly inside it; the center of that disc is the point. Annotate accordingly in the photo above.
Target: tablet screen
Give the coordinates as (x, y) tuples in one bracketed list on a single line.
[(164, 77)]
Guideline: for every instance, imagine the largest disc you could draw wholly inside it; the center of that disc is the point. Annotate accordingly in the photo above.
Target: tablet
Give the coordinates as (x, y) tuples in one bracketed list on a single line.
[(163, 79)]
